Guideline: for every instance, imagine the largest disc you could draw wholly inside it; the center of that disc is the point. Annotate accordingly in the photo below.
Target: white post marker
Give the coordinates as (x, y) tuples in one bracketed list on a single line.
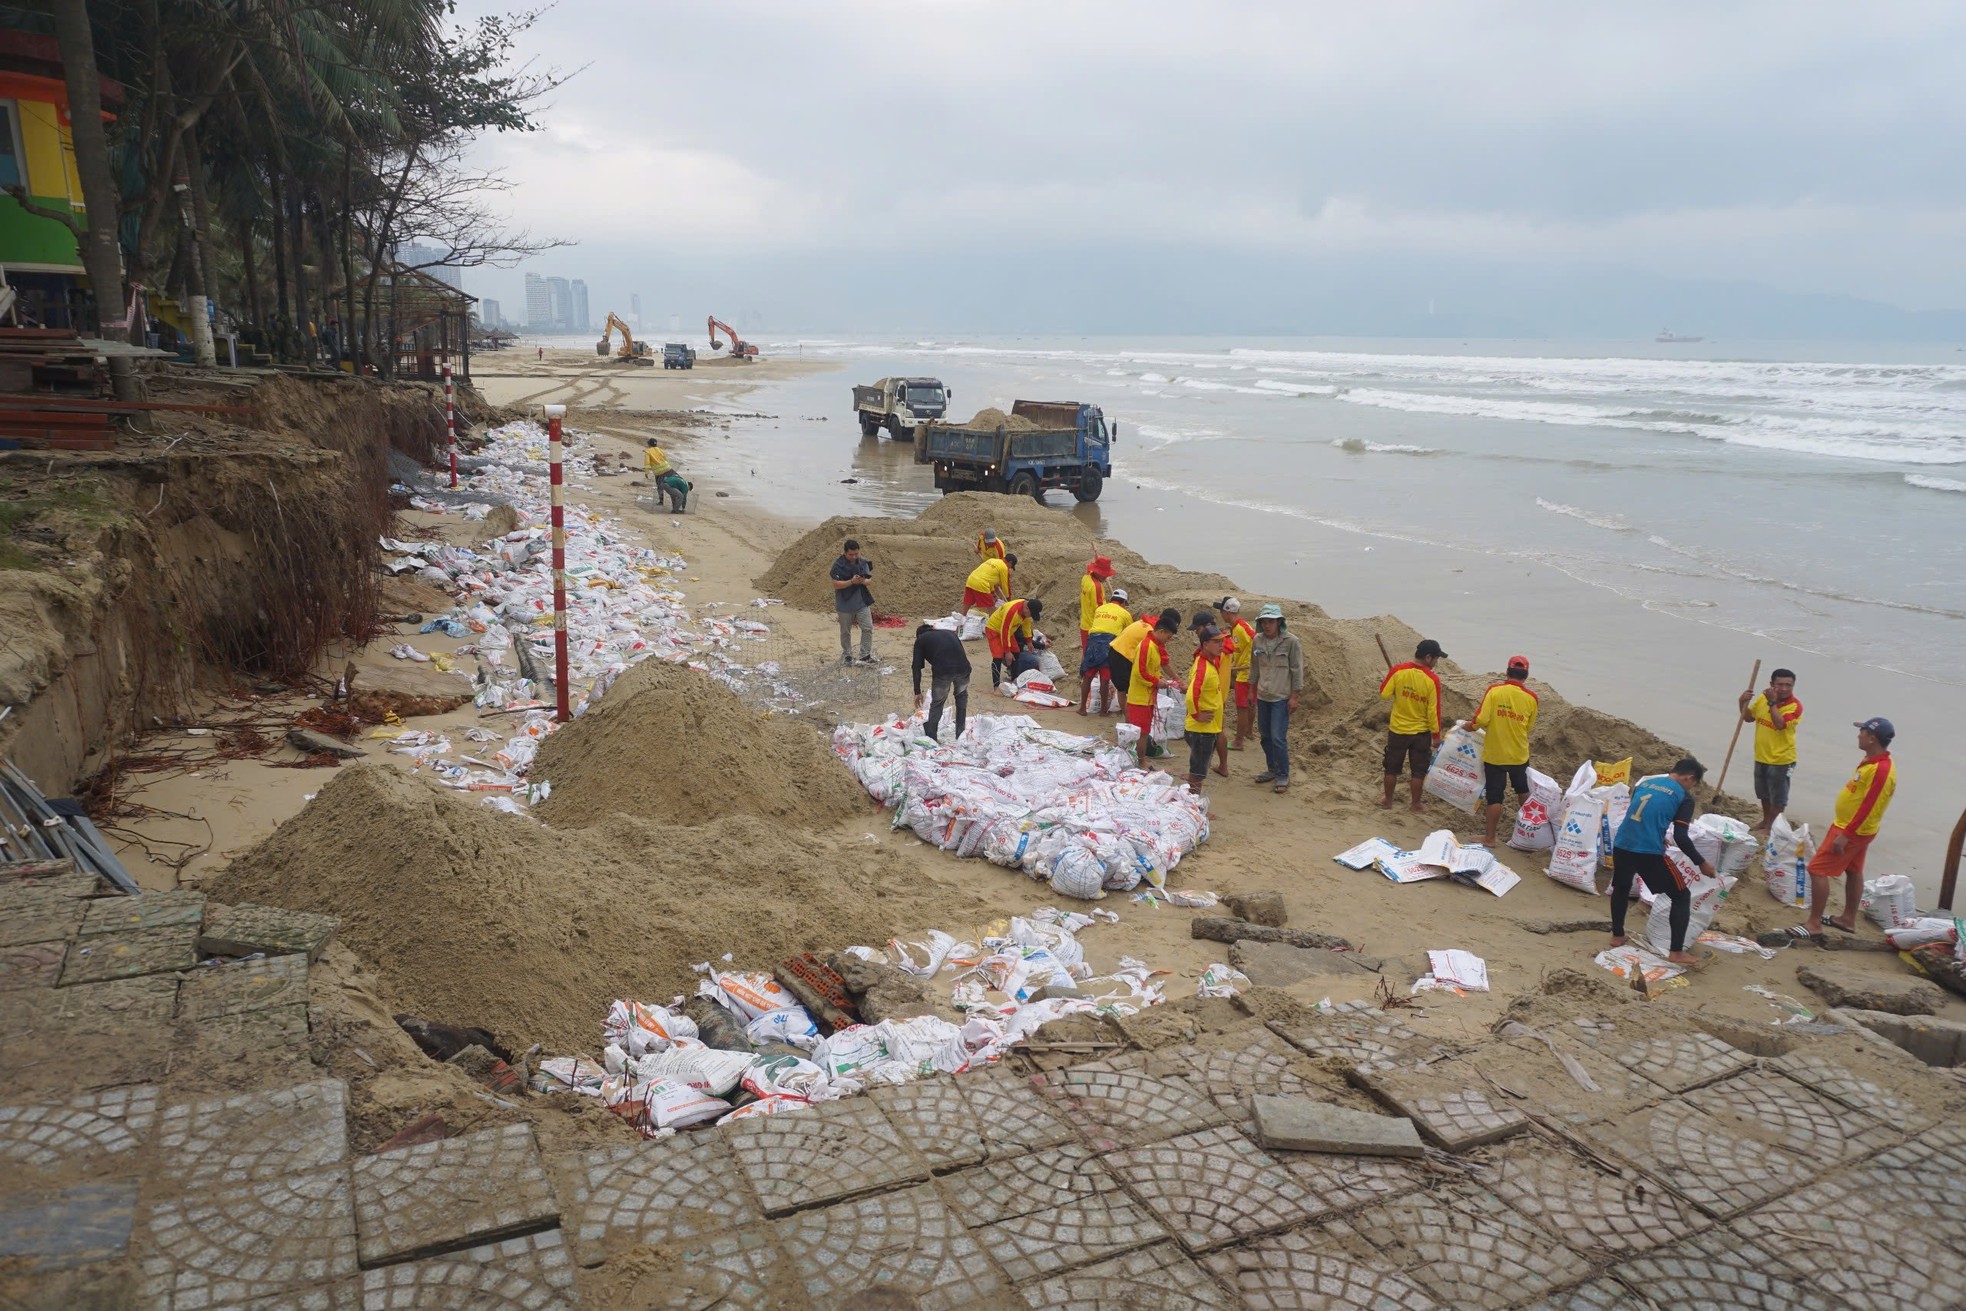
[(555, 452), (450, 422)]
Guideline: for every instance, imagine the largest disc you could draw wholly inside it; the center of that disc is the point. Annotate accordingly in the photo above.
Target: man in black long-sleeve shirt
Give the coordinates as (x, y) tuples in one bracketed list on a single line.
[(943, 652)]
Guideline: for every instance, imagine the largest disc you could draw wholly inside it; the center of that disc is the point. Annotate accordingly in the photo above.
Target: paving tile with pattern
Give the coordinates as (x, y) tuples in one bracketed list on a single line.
[(1213, 1187), (1265, 1067), (1765, 1106), (245, 928), (531, 1273), (1306, 1270), (1047, 1210), (1853, 1247), (1602, 1215), (458, 1192), (35, 965), (1466, 1247), (90, 1129), (821, 1155), (1602, 1294), (906, 1239), (1448, 1103), (738, 1270), (125, 955), (1712, 1269), (1701, 1159), (241, 1241), (934, 1118), (1339, 1182), (1015, 1116), (1681, 1061), (228, 1138), (651, 1193), (245, 985), (147, 910), (27, 917), (1127, 1108), (1151, 1279)]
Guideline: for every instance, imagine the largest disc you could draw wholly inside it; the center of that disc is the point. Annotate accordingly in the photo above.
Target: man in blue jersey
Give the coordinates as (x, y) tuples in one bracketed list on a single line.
[(1659, 803)]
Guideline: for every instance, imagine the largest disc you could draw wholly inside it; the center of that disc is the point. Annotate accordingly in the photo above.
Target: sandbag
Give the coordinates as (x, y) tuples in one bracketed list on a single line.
[(1170, 717), (1785, 862), (1617, 804), (1050, 665), (1708, 893), (1890, 902), (1535, 823), (1456, 775), (1735, 844), (1621, 772), (973, 625), (1573, 862)]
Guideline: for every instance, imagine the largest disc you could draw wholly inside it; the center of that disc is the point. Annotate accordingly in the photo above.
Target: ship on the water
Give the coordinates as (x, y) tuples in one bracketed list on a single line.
[(1668, 336)]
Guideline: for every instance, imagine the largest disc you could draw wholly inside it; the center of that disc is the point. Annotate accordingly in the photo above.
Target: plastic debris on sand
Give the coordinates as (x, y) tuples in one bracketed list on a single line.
[(1072, 811)]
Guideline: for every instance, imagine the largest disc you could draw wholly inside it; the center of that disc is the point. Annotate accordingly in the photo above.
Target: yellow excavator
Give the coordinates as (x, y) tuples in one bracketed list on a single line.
[(631, 351)]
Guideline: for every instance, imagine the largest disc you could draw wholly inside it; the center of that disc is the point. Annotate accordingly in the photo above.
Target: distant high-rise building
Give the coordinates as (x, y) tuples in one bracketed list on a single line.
[(539, 302), (635, 308), (577, 316), (488, 314), (424, 259), (559, 297)]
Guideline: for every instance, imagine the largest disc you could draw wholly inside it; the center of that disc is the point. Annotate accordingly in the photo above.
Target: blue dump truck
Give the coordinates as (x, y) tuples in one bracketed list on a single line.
[(1038, 445)]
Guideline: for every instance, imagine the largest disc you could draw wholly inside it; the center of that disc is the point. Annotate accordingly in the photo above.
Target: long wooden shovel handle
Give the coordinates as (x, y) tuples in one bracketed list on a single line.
[(1385, 654), (1739, 724)]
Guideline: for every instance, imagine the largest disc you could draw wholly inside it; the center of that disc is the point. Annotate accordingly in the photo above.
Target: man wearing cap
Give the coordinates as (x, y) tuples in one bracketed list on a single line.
[(1108, 622), (1413, 731), (1092, 594), (1204, 701), (1860, 808), (1148, 676), (1010, 633), (988, 583), (1508, 713), (1236, 638), (1276, 675), (989, 546), (1774, 714)]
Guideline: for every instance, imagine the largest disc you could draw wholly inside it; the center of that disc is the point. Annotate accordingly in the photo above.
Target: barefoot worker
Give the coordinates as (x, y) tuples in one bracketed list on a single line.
[(1413, 732), (1207, 685), (1237, 636), (1147, 675), (1774, 714), (855, 602), (988, 584), (942, 651), (1108, 622), (1092, 595), (1010, 633), (1508, 713), (1659, 803), (1276, 673), (1860, 808)]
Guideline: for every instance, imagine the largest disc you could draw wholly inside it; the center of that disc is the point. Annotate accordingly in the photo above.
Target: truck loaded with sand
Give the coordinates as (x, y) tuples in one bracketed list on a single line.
[(1037, 446)]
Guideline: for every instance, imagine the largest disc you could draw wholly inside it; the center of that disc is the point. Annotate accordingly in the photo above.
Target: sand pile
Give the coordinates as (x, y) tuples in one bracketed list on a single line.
[(920, 563), (479, 918), (990, 420), (674, 746)]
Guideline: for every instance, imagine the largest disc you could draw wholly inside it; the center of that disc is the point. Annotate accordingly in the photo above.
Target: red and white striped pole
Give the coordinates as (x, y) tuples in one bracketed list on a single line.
[(555, 452), (450, 422)]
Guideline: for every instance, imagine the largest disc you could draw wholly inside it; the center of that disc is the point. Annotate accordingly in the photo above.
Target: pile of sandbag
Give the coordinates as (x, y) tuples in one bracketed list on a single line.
[(1591, 809), (1072, 811), (1785, 862)]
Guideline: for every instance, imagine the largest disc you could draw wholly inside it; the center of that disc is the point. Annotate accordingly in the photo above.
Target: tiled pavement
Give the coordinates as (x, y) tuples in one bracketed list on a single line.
[(1712, 1179)]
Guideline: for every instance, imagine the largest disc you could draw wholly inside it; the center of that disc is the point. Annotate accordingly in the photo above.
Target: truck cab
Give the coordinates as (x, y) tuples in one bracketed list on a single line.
[(900, 406), (678, 355)]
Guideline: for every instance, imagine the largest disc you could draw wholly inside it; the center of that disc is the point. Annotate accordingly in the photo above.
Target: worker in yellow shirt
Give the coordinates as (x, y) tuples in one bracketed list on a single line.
[(1108, 622), (1205, 698), (1413, 731), (989, 546), (988, 584), (1092, 594), (1011, 633), (1507, 714), (1774, 714), (1237, 639), (1146, 675), (1860, 808), (655, 464)]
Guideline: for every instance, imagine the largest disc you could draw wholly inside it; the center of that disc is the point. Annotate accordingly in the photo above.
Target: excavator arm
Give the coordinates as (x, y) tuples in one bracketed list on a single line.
[(739, 348)]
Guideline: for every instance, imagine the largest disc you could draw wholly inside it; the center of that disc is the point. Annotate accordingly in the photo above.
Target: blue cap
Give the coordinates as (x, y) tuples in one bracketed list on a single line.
[(1880, 726)]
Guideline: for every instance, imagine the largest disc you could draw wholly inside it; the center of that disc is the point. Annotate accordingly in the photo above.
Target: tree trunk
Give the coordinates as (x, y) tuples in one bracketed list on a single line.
[(100, 255), (297, 247), (349, 336), (197, 280), (282, 319), (249, 273)]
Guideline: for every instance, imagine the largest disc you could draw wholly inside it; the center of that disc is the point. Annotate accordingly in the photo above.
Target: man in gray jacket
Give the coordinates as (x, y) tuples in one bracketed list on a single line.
[(1276, 672)]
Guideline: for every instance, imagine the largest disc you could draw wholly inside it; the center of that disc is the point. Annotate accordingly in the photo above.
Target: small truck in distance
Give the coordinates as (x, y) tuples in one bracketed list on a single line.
[(900, 405)]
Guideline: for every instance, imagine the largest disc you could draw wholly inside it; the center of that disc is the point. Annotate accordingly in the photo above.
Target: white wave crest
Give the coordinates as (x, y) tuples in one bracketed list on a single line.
[(1611, 522), (1935, 484), (1359, 446)]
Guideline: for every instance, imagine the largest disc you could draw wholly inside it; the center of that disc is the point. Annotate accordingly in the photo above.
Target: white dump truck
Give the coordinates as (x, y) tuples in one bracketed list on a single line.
[(900, 405)]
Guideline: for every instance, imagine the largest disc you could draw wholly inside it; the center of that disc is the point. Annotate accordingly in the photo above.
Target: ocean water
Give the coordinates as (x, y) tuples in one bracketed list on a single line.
[(1642, 517)]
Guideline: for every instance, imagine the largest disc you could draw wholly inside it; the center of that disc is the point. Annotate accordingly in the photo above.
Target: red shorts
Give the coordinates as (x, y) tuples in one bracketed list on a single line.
[(1827, 864), (975, 600), (1085, 635), (1141, 717), (1242, 696)]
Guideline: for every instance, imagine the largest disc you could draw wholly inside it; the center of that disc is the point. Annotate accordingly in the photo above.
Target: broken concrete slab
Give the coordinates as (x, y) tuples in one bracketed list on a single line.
[(882, 991), (147, 910), (247, 985), (37, 916), (126, 955), (1854, 989), (1258, 908), (244, 929), (309, 742), (1936, 1042), (1278, 965), (1221, 928), (457, 1193), (1305, 1124)]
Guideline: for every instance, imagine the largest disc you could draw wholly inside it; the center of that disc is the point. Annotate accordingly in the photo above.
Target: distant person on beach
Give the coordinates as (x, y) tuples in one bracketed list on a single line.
[(1775, 713), (1508, 713), (989, 546), (1011, 633), (988, 584), (1638, 851), (1413, 732), (1146, 676), (1276, 676), (1237, 636), (942, 651), (1092, 594), (655, 464), (1108, 622), (1205, 698), (855, 602), (1860, 808)]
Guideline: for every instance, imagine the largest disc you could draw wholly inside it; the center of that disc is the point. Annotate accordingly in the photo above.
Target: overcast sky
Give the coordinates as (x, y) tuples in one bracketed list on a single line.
[(797, 149)]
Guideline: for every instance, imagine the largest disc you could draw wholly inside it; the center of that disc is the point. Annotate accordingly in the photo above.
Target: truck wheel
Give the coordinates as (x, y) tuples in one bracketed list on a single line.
[(895, 430), (869, 425), (1090, 485), (1026, 484)]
